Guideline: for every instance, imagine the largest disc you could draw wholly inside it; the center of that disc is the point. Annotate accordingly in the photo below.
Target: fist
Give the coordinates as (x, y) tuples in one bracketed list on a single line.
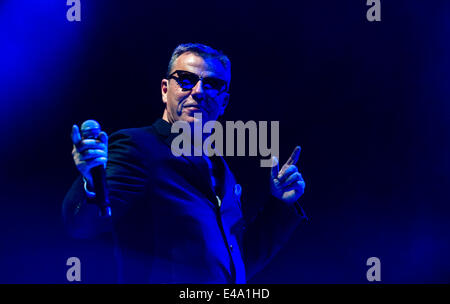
[(89, 153)]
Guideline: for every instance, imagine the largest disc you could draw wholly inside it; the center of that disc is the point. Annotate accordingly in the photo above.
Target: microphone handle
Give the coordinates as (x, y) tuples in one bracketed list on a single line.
[(101, 193)]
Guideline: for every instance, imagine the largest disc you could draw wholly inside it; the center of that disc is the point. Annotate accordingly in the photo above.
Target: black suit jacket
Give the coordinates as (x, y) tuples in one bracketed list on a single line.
[(166, 219)]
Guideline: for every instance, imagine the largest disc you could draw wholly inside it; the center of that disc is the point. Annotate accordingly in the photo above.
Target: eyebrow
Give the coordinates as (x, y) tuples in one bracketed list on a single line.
[(208, 76)]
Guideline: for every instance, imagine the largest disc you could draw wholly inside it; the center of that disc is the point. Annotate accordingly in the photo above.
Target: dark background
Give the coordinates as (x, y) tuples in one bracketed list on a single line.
[(368, 103)]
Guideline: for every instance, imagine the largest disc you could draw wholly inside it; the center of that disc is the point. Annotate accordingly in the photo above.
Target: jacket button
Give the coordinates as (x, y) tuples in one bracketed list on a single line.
[(231, 247)]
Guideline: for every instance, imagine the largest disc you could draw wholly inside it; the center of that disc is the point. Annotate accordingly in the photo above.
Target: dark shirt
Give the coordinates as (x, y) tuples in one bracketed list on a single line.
[(171, 223)]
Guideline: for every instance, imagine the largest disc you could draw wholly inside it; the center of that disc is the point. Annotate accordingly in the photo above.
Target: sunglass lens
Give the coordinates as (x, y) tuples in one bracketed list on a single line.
[(187, 80), (214, 84)]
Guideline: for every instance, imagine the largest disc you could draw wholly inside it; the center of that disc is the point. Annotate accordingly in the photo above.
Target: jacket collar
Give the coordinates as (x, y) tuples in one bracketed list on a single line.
[(163, 128)]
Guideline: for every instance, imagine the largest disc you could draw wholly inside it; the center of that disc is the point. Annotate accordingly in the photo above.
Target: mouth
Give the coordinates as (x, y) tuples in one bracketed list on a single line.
[(193, 107)]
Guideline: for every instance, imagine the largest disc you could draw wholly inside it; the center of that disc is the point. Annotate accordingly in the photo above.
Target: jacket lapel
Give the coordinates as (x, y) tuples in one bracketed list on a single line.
[(201, 174), (228, 182)]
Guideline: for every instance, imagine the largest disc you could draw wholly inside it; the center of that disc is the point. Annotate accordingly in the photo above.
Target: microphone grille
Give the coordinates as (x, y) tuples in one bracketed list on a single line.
[(90, 129)]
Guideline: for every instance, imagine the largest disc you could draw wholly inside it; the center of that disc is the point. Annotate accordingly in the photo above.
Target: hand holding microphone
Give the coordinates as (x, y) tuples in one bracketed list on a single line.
[(90, 154)]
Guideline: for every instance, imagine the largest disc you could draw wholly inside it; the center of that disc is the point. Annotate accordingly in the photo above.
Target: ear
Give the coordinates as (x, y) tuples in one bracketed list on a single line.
[(224, 103), (164, 89)]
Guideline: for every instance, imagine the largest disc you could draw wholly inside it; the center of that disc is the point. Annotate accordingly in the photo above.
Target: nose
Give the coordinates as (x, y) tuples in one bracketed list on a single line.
[(198, 88), (197, 91)]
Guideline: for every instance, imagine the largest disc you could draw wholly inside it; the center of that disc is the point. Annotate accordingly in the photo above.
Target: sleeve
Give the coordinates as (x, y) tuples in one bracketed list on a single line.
[(126, 177), (268, 231)]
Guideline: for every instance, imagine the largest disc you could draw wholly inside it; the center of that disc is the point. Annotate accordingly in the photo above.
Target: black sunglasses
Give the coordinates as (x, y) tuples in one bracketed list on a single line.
[(186, 80)]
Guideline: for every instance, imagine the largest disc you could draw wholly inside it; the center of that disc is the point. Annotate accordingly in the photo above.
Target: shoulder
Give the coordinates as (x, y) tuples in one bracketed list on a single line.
[(133, 133), (136, 142), (136, 137)]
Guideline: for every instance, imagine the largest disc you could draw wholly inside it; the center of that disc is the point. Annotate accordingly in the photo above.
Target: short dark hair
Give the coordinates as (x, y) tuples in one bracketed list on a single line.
[(201, 50)]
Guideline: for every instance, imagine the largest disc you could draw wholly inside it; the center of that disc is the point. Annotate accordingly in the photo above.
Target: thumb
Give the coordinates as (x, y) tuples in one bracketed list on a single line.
[(275, 167), (76, 136), (103, 137)]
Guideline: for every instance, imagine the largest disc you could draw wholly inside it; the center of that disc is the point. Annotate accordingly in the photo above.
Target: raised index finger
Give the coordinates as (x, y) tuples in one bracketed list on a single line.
[(294, 156), (292, 160)]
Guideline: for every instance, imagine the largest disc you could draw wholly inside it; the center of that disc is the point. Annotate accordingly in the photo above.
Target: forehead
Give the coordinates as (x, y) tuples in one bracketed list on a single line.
[(200, 66)]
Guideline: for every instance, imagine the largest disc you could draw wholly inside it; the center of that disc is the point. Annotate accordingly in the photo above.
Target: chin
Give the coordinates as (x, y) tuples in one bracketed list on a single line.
[(189, 117)]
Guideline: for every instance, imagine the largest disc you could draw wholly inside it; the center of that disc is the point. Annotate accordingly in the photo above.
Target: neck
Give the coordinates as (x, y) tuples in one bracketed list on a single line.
[(166, 117)]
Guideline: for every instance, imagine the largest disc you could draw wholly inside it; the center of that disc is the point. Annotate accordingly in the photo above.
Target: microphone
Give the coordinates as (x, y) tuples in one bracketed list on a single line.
[(90, 129)]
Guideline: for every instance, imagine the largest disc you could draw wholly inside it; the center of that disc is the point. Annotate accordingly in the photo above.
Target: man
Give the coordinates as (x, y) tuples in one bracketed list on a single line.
[(178, 219)]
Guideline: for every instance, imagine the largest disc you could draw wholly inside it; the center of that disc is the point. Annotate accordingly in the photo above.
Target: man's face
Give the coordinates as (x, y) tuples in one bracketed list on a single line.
[(181, 104)]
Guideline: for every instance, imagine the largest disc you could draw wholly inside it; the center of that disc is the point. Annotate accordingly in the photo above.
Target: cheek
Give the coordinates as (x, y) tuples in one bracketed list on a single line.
[(174, 97), (214, 109), (216, 106)]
